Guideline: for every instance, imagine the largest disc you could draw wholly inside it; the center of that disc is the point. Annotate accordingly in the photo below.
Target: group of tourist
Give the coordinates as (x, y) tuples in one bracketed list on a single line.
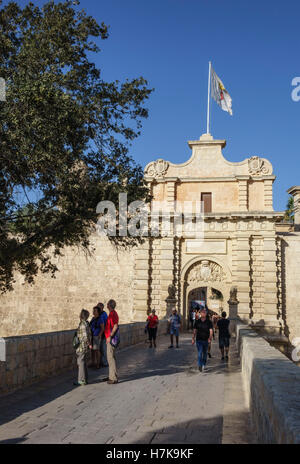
[(204, 325), (99, 337), (204, 328), (96, 337)]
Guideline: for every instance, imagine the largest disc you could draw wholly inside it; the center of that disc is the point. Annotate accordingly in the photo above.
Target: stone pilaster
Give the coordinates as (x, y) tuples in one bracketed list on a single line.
[(270, 282), (177, 270), (141, 283), (242, 276), (170, 194), (280, 265), (243, 194), (167, 249), (257, 272), (155, 276), (268, 194)]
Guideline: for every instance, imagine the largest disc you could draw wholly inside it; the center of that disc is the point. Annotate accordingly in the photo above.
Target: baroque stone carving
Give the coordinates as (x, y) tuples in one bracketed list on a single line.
[(157, 168), (206, 271), (233, 296), (171, 292), (258, 166)]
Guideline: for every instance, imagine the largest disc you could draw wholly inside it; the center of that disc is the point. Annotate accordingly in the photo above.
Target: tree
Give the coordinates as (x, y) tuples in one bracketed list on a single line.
[(289, 212), (65, 135)]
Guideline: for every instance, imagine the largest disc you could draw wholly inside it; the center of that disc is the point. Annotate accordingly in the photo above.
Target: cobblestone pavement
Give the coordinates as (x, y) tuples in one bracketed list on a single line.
[(162, 398)]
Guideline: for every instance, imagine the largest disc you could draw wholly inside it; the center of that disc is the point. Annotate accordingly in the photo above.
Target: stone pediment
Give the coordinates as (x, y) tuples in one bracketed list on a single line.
[(207, 162)]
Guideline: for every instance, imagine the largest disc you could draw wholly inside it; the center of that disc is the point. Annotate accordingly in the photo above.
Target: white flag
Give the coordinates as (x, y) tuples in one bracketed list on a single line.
[(219, 93)]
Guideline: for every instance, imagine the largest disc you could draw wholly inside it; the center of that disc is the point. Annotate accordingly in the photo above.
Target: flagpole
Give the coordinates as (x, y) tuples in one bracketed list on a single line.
[(208, 98)]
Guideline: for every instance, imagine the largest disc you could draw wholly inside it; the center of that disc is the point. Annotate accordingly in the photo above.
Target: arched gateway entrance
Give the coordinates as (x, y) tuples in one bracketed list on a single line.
[(205, 280)]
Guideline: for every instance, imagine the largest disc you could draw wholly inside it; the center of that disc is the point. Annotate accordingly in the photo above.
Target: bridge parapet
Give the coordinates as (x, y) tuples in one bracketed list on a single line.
[(272, 386), (30, 358)]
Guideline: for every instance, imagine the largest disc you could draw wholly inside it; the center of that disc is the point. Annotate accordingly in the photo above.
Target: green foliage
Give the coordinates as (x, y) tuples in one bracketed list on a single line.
[(289, 212), (65, 134)]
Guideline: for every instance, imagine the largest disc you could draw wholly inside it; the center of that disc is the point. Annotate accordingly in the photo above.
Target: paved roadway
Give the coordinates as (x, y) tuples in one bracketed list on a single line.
[(162, 398)]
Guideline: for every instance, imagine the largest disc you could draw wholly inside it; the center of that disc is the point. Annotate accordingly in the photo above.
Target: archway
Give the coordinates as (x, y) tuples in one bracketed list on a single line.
[(209, 296), (202, 280)]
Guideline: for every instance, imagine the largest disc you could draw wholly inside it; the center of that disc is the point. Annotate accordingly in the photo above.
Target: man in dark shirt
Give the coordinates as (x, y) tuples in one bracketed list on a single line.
[(203, 332), (224, 335)]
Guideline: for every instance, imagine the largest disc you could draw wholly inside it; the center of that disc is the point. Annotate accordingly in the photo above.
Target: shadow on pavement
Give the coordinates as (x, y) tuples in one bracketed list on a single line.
[(199, 431), (134, 363)]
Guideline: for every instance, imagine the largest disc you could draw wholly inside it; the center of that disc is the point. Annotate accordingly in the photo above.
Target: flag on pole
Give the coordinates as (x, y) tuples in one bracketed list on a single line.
[(219, 93)]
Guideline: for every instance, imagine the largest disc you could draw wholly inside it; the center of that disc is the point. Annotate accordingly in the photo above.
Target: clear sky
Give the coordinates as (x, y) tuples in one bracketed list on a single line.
[(254, 48)]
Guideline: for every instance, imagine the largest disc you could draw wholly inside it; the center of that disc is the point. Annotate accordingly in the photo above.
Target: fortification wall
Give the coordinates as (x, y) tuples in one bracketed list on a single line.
[(54, 304), (290, 247)]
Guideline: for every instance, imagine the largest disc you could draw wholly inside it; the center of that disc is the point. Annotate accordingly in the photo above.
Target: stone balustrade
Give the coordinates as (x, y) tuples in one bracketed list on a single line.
[(30, 358), (272, 385)]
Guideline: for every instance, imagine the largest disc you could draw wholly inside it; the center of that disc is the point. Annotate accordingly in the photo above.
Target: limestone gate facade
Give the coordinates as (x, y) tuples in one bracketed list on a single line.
[(246, 254)]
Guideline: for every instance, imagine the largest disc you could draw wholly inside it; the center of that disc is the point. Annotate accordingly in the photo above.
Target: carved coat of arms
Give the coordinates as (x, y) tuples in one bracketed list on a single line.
[(258, 166), (206, 271), (157, 169)]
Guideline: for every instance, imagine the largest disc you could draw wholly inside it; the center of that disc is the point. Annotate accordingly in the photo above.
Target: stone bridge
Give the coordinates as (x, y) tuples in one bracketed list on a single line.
[(162, 398)]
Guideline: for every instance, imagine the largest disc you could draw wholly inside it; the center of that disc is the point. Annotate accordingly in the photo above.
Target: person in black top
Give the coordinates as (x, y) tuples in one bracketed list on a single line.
[(224, 335), (203, 332)]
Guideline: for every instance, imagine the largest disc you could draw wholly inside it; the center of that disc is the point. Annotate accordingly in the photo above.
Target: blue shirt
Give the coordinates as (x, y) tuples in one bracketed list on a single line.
[(175, 321), (95, 326), (103, 318)]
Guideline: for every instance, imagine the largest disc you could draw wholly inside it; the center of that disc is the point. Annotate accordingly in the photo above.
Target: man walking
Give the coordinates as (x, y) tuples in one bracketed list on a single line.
[(174, 324), (203, 332), (111, 327), (224, 335)]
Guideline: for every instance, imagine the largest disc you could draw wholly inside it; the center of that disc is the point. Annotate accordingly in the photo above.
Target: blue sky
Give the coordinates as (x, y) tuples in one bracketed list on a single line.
[(254, 48)]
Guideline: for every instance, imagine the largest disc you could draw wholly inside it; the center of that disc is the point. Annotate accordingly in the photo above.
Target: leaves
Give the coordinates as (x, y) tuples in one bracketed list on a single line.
[(65, 135), (289, 212)]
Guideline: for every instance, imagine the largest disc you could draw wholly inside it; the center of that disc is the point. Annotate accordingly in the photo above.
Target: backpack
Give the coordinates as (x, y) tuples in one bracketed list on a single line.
[(76, 341), (115, 339)]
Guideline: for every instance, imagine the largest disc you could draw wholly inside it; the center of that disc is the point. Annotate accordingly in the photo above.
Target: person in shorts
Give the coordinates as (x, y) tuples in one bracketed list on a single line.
[(174, 324), (224, 335)]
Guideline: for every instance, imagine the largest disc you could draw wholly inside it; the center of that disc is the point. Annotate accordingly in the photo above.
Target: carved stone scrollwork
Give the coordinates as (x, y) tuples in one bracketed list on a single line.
[(233, 296), (206, 271), (157, 168), (259, 166)]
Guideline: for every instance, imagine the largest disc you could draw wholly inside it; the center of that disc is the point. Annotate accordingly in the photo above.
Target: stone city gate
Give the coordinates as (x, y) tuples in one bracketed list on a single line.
[(204, 273), (240, 249), (247, 253)]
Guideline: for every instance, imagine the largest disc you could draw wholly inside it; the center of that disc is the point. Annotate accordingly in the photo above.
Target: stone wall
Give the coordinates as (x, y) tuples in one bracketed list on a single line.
[(30, 358), (54, 304), (290, 281), (272, 386)]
